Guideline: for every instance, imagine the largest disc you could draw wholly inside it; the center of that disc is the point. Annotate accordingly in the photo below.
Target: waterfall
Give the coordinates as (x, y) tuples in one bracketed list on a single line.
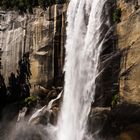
[(44, 109), (85, 39), (52, 101), (83, 47)]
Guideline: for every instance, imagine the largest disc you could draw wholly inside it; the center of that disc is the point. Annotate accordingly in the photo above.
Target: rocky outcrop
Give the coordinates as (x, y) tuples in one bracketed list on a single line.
[(120, 123), (97, 118), (42, 34), (128, 38), (121, 75)]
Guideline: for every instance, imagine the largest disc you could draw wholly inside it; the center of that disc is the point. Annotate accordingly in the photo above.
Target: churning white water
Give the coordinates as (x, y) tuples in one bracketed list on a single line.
[(83, 47)]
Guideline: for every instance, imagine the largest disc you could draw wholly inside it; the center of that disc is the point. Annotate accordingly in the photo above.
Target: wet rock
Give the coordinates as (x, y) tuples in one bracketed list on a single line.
[(97, 118), (48, 113), (119, 119), (39, 90), (54, 115), (107, 80), (41, 116), (22, 113), (131, 132), (52, 94)]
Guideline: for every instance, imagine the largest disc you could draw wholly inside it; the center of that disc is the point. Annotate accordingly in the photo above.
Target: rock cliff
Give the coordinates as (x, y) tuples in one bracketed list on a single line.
[(42, 34), (128, 32), (119, 82)]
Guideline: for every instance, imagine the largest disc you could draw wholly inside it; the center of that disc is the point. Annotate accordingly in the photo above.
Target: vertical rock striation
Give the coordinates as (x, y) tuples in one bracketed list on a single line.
[(42, 34), (129, 39)]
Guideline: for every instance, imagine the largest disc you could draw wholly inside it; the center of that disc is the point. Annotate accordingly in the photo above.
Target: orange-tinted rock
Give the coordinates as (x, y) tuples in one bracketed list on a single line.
[(128, 31)]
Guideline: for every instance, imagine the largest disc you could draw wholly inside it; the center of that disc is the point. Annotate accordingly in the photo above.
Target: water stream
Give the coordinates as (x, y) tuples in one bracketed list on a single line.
[(83, 47), (84, 44)]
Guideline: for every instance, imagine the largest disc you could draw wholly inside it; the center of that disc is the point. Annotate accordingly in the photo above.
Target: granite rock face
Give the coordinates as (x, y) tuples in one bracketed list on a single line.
[(42, 34), (128, 32)]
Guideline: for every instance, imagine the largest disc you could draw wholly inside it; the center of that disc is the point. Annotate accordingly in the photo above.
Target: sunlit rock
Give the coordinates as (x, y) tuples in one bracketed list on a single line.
[(42, 34)]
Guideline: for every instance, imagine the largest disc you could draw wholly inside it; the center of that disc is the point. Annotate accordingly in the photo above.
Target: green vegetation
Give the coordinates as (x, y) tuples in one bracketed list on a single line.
[(117, 15), (24, 5), (115, 100), (29, 101)]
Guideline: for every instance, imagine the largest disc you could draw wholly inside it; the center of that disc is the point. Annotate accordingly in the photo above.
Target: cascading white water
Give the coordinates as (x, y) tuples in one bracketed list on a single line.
[(83, 47), (44, 109)]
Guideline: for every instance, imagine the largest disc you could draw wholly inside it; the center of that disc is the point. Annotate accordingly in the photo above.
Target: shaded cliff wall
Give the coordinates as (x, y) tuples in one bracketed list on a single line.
[(128, 32), (120, 57), (108, 79), (42, 34)]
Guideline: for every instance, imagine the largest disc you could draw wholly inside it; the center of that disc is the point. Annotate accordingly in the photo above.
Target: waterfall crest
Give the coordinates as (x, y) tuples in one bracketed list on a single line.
[(83, 48)]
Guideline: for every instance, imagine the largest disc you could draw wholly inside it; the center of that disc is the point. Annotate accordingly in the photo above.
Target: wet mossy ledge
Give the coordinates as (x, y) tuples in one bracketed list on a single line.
[(24, 6)]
